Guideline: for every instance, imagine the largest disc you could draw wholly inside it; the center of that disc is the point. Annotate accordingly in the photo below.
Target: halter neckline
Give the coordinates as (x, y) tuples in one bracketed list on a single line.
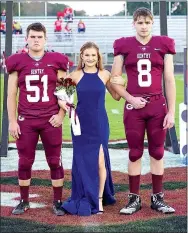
[(90, 73)]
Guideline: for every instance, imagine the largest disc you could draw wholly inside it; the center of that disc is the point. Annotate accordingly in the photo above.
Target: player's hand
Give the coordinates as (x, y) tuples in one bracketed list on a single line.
[(56, 120), (117, 80), (14, 130), (137, 102), (62, 104), (168, 121)]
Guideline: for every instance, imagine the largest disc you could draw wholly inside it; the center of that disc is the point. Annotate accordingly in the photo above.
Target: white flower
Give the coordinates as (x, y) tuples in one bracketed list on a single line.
[(61, 94)]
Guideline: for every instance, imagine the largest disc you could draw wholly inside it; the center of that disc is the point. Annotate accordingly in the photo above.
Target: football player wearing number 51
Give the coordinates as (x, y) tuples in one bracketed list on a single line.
[(35, 74), (147, 58)]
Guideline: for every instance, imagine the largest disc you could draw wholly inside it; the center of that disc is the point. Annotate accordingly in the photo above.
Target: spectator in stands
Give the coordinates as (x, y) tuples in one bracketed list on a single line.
[(3, 15), (68, 31), (60, 15), (2, 27), (16, 28), (68, 14), (25, 49), (81, 26), (58, 29)]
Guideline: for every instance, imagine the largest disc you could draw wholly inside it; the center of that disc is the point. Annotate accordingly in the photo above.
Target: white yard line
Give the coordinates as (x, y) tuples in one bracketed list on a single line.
[(118, 157), (115, 111)]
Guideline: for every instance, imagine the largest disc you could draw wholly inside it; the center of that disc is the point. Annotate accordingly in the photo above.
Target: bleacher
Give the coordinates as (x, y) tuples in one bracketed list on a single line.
[(102, 30)]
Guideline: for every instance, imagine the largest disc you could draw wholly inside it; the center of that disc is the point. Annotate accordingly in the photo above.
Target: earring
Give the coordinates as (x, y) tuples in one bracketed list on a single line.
[(83, 64)]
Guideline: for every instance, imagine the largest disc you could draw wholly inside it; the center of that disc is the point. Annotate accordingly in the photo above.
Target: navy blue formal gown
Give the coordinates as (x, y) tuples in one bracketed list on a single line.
[(91, 111)]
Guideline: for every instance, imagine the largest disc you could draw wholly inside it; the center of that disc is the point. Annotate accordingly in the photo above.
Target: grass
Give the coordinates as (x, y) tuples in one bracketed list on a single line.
[(13, 180), (43, 220), (170, 224), (115, 120)]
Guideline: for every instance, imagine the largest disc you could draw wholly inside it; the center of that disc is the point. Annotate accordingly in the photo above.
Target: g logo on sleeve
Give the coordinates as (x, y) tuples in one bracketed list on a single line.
[(21, 118), (129, 106)]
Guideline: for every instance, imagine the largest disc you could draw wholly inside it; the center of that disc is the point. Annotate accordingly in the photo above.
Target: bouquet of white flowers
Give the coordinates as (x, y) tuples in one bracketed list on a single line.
[(65, 91)]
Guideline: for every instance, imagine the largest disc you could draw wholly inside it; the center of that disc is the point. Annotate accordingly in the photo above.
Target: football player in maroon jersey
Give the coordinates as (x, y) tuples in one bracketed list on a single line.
[(146, 58), (35, 74)]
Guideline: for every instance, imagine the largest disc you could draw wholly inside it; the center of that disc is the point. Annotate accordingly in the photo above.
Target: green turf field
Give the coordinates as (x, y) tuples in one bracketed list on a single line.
[(116, 120)]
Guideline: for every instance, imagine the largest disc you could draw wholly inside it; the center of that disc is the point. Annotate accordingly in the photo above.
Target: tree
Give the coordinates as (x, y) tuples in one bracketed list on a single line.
[(32, 9), (54, 8), (15, 8), (156, 8), (121, 13), (80, 13), (132, 6), (180, 9)]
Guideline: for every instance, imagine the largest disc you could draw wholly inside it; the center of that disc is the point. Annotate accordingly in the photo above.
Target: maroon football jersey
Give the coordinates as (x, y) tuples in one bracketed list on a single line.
[(144, 64), (37, 82)]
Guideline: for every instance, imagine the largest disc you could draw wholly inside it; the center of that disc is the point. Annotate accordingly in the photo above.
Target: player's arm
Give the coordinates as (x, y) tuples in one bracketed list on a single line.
[(116, 77), (109, 88), (62, 113), (12, 104), (56, 120), (112, 91), (12, 95), (116, 84), (61, 74), (170, 90)]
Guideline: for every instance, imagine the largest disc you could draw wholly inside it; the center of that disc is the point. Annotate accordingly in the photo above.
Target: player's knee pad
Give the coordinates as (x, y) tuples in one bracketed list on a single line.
[(56, 168), (156, 145), (54, 162), (135, 154), (135, 139), (157, 152), (24, 168), (57, 173)]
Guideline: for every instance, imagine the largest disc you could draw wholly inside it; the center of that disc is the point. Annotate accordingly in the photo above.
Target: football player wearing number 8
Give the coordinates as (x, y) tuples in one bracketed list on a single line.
[(35, 74), (146, 59)]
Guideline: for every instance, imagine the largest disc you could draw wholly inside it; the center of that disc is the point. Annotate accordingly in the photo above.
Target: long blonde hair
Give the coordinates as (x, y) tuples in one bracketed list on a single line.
[(89, 45)]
